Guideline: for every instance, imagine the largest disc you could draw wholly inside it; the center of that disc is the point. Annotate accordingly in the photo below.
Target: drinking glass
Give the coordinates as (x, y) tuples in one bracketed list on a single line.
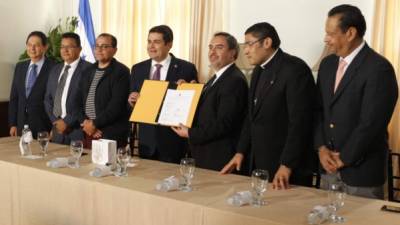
[(76, 148), (336, 195), (259, 183), (43, 139), (187, 167), (122, 160)]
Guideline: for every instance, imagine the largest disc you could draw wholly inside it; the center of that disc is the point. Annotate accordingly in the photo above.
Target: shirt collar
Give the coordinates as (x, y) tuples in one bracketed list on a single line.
[(73, 65), (39, 63), (164, 63), (353, 54), (269, 59), (222, 70)]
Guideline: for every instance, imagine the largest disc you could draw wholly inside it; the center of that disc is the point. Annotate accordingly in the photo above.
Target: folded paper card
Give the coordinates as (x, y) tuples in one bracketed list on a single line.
[(104, 151)]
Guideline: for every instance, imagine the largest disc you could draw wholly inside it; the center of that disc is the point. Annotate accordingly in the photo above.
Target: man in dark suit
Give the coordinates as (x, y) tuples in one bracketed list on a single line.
[(158, 142), (222, 107), (277, 134), (102, 99), (29, 87), (62, 87), (358, 92)]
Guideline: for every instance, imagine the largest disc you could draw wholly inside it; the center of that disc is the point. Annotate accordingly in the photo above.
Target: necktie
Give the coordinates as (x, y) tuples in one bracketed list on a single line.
[(209, 83), (156, 74), (31, 79), (57, 110), (340, 73)]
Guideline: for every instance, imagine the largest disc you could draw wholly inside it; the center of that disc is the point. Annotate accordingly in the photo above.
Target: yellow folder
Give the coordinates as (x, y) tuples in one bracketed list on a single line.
[(151, 98)]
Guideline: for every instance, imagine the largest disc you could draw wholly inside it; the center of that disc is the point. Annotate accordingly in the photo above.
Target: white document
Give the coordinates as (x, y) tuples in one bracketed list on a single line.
[(176, 107)]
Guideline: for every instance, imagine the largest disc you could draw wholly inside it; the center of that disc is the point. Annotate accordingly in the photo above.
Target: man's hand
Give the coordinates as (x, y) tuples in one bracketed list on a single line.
[(13, 131), (182, 130), (181, 81), (133, 97), (98, 134), (281, 178), (235, 163), (60, 126), (88, 127), (327, 160), (338, 161)]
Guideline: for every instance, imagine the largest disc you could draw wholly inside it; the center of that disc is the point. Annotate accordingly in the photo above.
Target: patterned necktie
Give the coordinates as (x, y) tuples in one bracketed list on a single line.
[(340, 73), (31, 79), (57, 110), (157, 73)]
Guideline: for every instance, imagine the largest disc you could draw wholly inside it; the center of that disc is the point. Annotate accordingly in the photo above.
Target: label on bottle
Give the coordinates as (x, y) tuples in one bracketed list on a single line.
[(28, 137)]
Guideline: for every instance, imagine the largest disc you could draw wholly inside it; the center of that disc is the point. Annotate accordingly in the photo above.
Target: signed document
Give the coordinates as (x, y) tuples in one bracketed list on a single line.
[(176, 107)]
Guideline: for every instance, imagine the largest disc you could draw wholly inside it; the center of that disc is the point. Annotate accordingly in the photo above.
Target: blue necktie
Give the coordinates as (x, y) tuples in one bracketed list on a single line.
[(31, 79)]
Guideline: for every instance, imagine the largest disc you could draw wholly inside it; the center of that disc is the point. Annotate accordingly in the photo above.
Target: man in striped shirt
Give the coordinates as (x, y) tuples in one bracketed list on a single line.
[(104, 90)]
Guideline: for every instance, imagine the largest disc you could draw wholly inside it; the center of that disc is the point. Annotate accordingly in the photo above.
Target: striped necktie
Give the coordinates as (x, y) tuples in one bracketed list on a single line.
[(57, 110)]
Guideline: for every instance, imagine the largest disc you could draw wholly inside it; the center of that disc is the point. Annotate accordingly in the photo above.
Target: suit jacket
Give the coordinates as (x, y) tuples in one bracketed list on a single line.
[(110, 100), (159, 140), (354, 119), (70, 119), (29, 110), (217, 125), (278, 127)]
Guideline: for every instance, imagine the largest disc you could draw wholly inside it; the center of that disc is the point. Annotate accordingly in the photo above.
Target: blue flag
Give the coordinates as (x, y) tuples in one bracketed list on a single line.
[(86, 31)]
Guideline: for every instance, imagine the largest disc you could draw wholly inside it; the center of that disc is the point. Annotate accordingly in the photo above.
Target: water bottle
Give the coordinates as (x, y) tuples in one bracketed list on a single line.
[(318, 215), (25, 141), (240, 198)]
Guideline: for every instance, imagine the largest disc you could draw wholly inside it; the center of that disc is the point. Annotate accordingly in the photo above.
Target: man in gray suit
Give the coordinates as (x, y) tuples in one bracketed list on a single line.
[(62, 86)]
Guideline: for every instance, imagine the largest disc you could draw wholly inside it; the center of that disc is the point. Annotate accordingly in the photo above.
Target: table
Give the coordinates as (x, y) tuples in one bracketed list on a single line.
[(33, 194)]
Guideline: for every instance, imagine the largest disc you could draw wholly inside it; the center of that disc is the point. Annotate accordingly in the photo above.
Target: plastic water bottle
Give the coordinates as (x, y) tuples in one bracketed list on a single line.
[(25, 141), (318, 215)]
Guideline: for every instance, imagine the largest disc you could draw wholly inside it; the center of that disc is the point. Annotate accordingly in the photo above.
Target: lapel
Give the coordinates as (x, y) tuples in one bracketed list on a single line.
[(214, 87), (147, 70), (351, 72), (172, 69), (271, 72), (25, 68), (74, 79), (40, 77)]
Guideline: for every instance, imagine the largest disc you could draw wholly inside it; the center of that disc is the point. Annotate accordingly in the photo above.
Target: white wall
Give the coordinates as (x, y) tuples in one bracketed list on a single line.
[(20, 17), (299, 23)]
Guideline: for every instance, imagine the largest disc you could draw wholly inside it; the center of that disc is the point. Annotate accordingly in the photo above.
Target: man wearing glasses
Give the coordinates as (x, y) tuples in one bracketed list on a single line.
[(277, 133), (104, 89), (159, 142), (62, 87)]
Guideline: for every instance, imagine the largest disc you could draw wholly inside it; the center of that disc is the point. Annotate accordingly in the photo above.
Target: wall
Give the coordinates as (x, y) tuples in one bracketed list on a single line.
[(300, 23), (19, 18)]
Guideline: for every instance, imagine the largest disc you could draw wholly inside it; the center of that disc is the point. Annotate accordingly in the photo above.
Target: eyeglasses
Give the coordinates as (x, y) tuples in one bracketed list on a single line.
[(101, 47), (67, 47), (251, 43)]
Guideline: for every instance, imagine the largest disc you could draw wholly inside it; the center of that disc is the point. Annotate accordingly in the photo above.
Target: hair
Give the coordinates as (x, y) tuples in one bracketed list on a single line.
[(350, 16), (231, 40), (113, 39), (38, 34), (168, 35), (264, 30), (74, 36)]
